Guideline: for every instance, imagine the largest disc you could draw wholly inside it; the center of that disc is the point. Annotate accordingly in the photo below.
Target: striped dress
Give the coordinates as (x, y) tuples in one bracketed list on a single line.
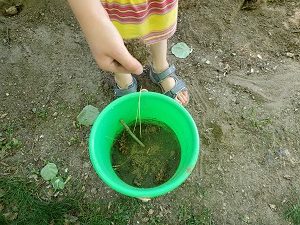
[(148, 20)]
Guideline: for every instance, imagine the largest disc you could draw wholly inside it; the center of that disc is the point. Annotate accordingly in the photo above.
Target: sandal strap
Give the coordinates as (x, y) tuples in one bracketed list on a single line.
[(131, 89), (158, 77), (179, 86)]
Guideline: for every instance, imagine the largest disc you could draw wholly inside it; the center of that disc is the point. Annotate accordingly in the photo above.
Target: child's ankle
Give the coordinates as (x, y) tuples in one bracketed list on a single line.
[(123, 81), (160, 67)]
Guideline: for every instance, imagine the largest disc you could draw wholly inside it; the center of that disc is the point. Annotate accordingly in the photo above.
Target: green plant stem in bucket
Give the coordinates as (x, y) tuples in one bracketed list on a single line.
[(131, 134)]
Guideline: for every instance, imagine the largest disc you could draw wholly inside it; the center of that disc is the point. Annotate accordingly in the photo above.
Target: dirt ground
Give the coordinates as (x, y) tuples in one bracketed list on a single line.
[(244, 81)]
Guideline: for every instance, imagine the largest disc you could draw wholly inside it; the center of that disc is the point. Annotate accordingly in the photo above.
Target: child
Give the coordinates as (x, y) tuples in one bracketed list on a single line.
[(105, 25)]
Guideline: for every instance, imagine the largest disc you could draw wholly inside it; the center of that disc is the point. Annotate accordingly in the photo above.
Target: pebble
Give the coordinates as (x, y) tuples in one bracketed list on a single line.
[(88, 115), (3, 115), (287, 177), (151, 211), (86, 165), (272, 206), (11, 11), (55, 114), (290, 55), (94, 191), (146, 219)]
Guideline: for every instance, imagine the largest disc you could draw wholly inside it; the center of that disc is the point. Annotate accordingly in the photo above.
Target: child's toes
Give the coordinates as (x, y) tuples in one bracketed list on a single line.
[(183, 98)]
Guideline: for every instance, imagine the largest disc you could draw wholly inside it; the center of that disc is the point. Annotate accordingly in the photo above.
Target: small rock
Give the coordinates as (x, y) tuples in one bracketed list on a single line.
[(33, 110), (220, 192), (109, 205), (246, 219), (145, 199), (11, 11), (283, 152), (88, 115), (33, 176), (3, 115), (151, 211), (55, 114), (290, 55), (259, 56), (272, 206), (287, 177), (7, 94), (207, 62), (94, 191), (86, 165), (146, 219)]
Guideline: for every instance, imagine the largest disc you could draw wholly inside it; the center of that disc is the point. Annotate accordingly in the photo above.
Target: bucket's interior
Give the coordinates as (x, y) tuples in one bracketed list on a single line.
[(150, 165), (152, 107)]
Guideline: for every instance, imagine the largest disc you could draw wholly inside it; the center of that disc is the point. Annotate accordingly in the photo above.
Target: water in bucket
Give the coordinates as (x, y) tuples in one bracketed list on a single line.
[(147, 166)]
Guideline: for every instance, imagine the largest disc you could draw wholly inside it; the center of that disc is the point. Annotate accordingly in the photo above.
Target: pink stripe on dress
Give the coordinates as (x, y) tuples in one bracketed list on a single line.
[(131, 17), (134, 14)]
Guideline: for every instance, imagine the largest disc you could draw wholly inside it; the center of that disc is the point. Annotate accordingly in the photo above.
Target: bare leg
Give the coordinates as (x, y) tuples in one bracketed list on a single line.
[(160, 63), (123, 80)]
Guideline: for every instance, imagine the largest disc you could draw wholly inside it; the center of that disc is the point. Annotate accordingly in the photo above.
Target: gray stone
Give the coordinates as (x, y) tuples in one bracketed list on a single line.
[(88, 115)]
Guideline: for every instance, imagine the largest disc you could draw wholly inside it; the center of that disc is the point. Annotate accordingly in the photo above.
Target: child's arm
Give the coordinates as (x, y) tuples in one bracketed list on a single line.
[(105, 42)]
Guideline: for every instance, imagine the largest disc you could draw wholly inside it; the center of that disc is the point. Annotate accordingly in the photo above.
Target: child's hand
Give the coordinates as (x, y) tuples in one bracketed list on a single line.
[(110, 52), (106, 43)]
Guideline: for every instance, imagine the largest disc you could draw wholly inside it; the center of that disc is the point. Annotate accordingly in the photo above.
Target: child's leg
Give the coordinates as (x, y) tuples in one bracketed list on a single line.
[(123, 80), (160, 63)]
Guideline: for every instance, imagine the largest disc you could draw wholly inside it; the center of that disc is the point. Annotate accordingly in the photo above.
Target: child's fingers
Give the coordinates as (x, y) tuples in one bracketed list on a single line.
[(116, 67), (128, 62)]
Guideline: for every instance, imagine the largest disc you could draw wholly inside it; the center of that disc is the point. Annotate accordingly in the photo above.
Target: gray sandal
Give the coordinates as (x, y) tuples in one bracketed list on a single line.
[(131, 89), (157, 78)]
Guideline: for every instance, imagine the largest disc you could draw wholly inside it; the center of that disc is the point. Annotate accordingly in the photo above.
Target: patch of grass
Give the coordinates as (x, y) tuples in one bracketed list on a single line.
[(7, 140), (18, 199), (9, 143), (187, 216), (255, 120), (293, 214), (19, 204), (124, 210), (42, 113)]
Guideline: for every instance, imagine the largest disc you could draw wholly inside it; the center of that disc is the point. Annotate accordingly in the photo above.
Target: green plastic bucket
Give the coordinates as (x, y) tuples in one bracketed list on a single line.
[(153, 106)]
